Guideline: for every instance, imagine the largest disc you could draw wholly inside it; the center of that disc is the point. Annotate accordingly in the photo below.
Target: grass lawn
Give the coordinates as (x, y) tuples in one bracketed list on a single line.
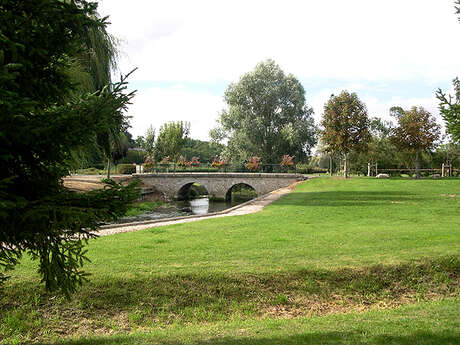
[(342, 262)]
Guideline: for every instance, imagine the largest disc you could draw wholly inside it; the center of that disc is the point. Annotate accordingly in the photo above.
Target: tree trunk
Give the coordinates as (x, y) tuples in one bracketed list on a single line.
[(108, 168), (417, 164), (376, 169), (345, 167), (442, 170), (369, 169), (330, 164)]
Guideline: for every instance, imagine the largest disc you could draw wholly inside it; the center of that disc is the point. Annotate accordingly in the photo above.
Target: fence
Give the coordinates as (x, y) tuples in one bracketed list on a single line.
[(207, 167), (446, 172)]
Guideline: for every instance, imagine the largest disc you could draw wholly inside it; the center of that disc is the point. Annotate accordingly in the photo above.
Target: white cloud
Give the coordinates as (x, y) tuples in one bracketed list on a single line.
[(155, 106), (206, 41), (362, 42)]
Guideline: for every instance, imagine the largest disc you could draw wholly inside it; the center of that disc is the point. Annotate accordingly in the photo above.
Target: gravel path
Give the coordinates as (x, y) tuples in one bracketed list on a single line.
[(252, 206)]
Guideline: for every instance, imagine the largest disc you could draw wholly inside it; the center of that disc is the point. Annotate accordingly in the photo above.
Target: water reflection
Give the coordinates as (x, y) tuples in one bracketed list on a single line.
[(199, 206), (203, 205)]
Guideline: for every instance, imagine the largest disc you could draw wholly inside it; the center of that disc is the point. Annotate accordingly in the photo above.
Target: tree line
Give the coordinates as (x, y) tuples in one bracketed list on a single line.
[(267, 117)]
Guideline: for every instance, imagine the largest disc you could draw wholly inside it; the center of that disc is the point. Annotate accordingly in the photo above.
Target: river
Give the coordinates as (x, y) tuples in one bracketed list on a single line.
[(198, 206)]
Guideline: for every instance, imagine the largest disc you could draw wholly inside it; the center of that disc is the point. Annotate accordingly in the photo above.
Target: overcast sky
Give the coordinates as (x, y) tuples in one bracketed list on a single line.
[(392, 52)]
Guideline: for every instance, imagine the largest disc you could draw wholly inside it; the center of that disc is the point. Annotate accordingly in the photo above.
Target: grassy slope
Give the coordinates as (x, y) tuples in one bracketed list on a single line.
[(434, 323), (316, 251)]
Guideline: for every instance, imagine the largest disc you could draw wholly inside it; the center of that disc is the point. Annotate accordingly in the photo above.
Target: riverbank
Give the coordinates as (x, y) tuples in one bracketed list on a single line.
[(251, 206)]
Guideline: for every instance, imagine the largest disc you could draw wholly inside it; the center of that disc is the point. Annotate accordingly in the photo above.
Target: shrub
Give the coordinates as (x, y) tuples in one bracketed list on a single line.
[(195, 162), (181, 162), (99, 166), (89, 171), (126, 169), (149, 164), (254, 163), (286, 162), (219, 162), (306, 169)]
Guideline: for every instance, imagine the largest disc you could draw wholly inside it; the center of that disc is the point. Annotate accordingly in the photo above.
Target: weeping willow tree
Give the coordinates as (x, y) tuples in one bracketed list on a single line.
[(91, 69)]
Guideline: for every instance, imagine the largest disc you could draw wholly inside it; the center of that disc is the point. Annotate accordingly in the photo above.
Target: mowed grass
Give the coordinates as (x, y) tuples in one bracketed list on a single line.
[(332, 246), (434, 323)]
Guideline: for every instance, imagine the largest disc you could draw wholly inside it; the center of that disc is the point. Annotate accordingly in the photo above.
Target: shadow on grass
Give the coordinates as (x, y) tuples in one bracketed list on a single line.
[(420, 338), (351, 198), (211, 297)]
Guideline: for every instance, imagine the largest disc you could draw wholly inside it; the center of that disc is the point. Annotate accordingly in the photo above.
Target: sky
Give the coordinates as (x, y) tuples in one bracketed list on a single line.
[(392, 52)]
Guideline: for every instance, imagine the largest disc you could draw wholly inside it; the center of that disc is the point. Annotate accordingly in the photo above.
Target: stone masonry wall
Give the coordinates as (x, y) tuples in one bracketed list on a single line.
[(217, 184)]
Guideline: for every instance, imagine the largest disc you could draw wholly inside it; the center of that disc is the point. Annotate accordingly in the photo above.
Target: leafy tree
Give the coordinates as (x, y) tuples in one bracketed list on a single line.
[(134, 155), (450, 110), (139, 142), (40, 127), (380, 151), (204, 149), (450, 106), (90, 70), (171, 139), (120, 148), (148, 142), (448, 153), (396, 111), (267, 116), (345, 125), (416, 132)]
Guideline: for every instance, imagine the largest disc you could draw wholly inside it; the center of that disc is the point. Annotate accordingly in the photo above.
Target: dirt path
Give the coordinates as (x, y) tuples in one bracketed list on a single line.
[(252, 206)]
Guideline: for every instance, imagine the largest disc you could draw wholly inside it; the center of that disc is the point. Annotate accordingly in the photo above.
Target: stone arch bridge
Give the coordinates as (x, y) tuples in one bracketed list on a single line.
[(217, 184)]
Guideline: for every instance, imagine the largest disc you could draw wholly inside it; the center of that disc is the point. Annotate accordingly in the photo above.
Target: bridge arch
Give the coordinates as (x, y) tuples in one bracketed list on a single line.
[(244, 188), (189, 189)]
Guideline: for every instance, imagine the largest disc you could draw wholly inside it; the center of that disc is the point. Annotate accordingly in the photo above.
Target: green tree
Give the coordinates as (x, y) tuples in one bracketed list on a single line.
[(171, 139), (450, 106), (148, 143), (345, 125), (204, 149), (40, 127), (448, 154), (450, 110), (267, 116), (90, 70), (380, 150), (416, 132)]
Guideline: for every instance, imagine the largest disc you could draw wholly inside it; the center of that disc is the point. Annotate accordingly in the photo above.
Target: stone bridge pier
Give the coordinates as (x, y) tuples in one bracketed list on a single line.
[(217, 184)]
